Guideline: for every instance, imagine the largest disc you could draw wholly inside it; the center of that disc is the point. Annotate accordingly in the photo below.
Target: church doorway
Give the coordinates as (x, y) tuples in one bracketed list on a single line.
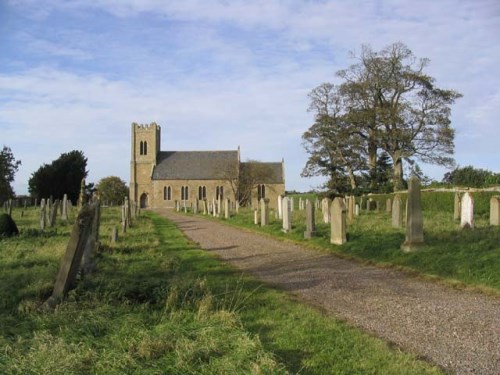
[(144, 200)]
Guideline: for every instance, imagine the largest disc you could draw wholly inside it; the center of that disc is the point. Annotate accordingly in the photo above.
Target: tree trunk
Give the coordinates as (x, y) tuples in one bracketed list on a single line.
[(398, 172)]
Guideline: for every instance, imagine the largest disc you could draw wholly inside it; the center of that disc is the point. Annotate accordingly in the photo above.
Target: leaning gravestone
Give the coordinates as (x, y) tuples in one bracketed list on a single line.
[(338, 222), (414, 220), (467, 211), (287, 214), (310, 220), (71, 261), (53, 213), (397, 212), (495, 210)]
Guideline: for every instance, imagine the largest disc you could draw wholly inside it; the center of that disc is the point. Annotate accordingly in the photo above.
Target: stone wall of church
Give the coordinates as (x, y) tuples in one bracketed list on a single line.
[(272, 192)]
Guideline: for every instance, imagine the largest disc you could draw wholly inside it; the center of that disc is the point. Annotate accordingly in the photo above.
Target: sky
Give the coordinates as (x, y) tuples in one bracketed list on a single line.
[(218, 74)]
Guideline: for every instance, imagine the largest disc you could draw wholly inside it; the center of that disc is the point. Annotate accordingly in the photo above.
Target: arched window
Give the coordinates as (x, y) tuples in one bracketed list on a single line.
[(145, 148), (219, 192), (141, 148), (261, 192), (202, 192), (167, 193), (184, 193)]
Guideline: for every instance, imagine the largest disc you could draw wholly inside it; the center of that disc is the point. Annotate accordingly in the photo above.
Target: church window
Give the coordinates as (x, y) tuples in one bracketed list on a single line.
[(261, 191), (167, 193), (219, 192), (143, 148), (202, 192), (184, 193)]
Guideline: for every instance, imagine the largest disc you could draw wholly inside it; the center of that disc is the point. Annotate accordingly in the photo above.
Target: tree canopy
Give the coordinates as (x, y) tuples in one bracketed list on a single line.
[(62, 176), (8, 168), (471, 177), (385, 102), (112, 189)]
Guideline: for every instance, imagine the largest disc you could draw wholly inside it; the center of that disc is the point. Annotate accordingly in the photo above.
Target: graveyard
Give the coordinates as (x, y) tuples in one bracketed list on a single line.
[(155, 301)]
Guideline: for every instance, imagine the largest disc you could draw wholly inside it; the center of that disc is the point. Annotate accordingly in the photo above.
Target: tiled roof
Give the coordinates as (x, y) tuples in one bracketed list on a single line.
[(195, 165), (269, 173)]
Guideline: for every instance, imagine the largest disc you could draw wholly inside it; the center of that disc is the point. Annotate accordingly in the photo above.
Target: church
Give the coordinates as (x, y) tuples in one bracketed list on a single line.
[(160, 178)]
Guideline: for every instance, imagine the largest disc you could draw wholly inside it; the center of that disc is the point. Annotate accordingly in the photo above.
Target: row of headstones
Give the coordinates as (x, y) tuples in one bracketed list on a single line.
[(129, 212), (83, 243), (464, 210), (213, 207), (49, 210)]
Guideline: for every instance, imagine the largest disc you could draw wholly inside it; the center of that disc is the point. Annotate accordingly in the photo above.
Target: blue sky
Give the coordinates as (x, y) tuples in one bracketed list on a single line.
[(216, 74)]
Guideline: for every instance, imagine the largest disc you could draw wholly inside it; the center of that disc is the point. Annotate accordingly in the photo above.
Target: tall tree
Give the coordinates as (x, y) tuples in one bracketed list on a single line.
[(336, 148), (8, 168), (408, 114), (112, 189), (62, 176)]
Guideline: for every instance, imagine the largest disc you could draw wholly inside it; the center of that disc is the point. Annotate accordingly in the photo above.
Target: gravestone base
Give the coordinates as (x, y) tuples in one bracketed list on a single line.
[(409, 247), (308, 235)]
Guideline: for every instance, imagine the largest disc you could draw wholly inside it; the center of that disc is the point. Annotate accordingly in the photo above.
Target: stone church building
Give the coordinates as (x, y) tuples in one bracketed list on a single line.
[(159, 178)]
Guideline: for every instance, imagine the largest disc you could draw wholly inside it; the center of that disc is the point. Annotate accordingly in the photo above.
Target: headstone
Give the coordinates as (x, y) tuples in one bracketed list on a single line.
[(310, 220), (467, 211), (237, 206), (256, 216), (338, 222), (301, 202), (388, 205), (226, 208), (414, 219), (356, 210), (325, 208), (114, 235), (214, 207), (42, 214), (53, 213), (184, 206), (350, 207), (71, 262), (287, 214), (456, 209), (280, 207), (397, 212), (195, 206), (205, 207), (81, 197), (219, 206), (264, 212), (64, 208), (495, 210)]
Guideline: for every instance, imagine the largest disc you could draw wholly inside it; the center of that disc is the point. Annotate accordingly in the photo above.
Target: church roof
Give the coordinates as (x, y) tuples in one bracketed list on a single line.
[(195, 165), (268, 173)]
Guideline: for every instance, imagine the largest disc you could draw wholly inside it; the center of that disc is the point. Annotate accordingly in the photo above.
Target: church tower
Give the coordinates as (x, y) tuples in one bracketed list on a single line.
[(145, 148)]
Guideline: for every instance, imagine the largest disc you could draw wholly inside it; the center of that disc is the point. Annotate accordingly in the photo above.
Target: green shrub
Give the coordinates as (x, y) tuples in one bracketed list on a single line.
[(7, 226)]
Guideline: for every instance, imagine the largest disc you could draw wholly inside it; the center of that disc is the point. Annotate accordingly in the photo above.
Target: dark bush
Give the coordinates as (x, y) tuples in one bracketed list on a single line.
[(7, 226)]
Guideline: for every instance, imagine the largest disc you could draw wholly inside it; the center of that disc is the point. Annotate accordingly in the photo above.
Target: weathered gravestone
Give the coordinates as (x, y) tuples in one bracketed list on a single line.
[(467, 211), (356, 210), (205, 207), (53, 213), (280, 207), (388, 205), (495, 210), (325, 208), (64, 208), (114, 235), (310, 220), (287, 214), (264, 212), (350, 207), (227, 203), (237, 206), (414, 220), (338, 222), (72, 259), (43, 221), (397, 212), (195, 206), (456, 207), (256, 216)]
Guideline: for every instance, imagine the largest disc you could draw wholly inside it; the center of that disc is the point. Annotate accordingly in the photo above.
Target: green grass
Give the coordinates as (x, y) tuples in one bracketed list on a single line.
[(462, 257), (157, 304)]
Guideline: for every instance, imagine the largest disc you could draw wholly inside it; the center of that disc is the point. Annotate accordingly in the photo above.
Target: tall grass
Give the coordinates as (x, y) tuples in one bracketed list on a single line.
[(156, 304)]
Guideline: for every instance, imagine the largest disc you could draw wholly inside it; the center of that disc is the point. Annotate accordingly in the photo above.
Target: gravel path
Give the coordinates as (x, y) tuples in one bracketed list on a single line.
[(458, 330)]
